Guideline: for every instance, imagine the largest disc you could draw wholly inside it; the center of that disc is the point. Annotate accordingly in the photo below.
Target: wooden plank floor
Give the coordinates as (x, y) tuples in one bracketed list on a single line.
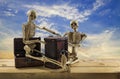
[(83, 66), (85, 69)]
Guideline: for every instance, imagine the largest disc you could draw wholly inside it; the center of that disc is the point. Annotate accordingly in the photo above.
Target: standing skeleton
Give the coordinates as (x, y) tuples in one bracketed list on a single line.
[(74, 39)]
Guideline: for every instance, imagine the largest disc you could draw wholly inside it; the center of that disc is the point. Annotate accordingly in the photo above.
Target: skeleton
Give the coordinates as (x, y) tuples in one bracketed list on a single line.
[(29, 32), (74, 38)]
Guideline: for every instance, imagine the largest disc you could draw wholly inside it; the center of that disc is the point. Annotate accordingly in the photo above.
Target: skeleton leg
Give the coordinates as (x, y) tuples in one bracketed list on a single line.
[(27, 49), (62, 64), (73, 52), (73, 56), (46, 59)]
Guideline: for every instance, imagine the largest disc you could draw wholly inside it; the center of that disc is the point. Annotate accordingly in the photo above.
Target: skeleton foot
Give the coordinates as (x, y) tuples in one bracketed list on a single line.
[(66, 68), (72, 61)]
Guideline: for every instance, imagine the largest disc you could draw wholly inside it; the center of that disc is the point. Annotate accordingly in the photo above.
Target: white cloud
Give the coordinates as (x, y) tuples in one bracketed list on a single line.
[(16, 11), (7, 36), (65, 11), (8, 13), (101, 46), (98, 38), (98, 4), (44, 22), (7, 40), (104, 12)]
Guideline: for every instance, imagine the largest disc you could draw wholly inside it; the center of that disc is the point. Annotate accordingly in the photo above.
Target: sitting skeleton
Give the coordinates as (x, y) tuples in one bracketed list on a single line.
[(29, 32), (74, 39)]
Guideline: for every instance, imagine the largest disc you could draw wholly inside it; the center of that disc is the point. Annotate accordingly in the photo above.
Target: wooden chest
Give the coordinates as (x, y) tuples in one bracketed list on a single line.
[(53, 49), (19, 53)]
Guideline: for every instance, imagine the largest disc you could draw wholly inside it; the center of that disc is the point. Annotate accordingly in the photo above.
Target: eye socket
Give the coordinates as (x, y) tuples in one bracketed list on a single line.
[(32, 16), (73, 24)]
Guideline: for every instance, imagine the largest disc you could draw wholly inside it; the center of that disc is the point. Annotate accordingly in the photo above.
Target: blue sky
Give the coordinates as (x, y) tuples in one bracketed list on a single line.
[(99, 19)]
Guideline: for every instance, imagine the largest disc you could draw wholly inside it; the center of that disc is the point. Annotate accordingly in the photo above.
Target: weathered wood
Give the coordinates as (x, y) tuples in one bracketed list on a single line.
[(59, 76), (85, 69), (84, 66)]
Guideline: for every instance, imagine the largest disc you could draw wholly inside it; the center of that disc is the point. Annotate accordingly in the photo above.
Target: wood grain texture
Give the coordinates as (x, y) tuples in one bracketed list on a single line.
[(83, 70)]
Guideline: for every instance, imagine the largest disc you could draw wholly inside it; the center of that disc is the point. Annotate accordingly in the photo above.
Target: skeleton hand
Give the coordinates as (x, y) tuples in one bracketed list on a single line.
[(40, 27), (74, 45), (39, 41)]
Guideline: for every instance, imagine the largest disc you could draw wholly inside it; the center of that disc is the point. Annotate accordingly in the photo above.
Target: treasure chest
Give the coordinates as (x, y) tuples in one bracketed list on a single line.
[(20, 59), (19, 47), (21, 62), (54, 48)]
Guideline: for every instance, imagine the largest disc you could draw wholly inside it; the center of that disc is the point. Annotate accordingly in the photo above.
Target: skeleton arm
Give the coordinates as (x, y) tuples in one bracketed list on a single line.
[(66, 34), (44, 28), (26, 37), (83, 36)]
